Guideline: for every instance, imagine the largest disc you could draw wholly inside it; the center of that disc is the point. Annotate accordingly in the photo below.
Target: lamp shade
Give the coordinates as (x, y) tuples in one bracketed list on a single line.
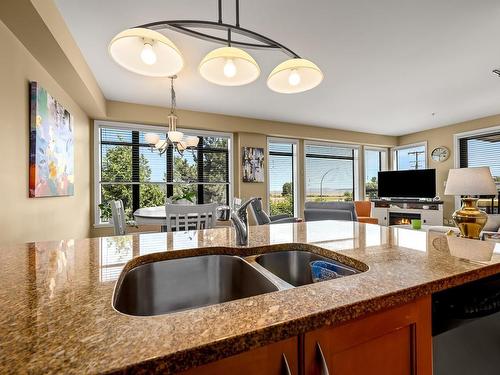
[(229, 66), (470, 181), (151, 138), (294, 75), (147, 52)]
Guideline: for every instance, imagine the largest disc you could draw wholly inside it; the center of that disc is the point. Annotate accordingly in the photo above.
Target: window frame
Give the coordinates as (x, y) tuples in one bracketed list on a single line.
[(394, 150), (456, 148), (384, 165), (295, 172), (357, 193), (98, 124)]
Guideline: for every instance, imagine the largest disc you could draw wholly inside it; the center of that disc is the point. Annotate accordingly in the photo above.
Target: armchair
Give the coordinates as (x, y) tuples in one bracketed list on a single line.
[(364, 210), (262, 218)]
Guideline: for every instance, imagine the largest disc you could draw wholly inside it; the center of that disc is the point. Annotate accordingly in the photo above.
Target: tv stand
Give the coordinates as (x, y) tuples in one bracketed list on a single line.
[(402, 211)]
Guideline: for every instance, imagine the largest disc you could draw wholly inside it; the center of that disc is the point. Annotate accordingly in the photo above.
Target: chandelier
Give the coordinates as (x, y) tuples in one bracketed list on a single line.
[(175, 138), (143, 50)]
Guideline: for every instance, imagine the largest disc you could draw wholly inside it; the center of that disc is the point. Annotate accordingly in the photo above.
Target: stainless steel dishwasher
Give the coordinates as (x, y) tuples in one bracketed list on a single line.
[(466, 329)]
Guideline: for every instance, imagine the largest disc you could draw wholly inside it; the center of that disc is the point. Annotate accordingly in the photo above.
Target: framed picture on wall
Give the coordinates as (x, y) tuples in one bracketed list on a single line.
[(51, 159), (253, 164)]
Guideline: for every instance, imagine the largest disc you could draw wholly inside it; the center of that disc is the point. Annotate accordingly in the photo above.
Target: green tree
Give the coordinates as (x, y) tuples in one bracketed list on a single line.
[(287, 189), (117, 167), (371, 187), (348, 196)]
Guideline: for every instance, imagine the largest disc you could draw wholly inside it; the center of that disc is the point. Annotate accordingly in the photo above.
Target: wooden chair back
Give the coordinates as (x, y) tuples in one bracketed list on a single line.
[(118, 215), (184, 217)]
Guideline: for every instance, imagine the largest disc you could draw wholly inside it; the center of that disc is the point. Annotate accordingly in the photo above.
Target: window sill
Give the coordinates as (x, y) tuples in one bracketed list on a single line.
[(102, 225)]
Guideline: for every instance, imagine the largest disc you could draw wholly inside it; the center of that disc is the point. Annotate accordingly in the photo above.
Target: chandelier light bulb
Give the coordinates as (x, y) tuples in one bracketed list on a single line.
[(294, 78), (229, 68), (148, 55)]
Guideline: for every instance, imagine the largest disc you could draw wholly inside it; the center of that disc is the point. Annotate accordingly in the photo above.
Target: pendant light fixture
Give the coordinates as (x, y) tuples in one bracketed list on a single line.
[(175, 138), (229, 66), (294, 75), (145, 51)]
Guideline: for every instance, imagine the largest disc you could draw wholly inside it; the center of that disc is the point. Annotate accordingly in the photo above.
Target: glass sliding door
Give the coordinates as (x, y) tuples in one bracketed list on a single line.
[(331, 172), (375, 161), (282, 177)]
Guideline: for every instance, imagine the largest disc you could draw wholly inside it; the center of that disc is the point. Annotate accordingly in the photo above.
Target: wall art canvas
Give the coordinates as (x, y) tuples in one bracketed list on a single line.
[(51, 146), (253, 164)]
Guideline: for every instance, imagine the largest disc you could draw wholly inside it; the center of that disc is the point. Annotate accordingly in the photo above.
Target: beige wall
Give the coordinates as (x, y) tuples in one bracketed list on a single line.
[(23, 218), (444, 137)]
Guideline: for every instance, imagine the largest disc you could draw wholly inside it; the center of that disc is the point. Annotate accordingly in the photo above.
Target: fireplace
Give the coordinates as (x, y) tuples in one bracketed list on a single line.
[(402, 218)]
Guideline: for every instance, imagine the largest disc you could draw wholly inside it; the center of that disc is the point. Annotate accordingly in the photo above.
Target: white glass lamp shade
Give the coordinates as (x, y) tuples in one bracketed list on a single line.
[(175, 136), (294, 75), (192, 141), (146, 52), (470, 181), (161, 144), (151, 138), (181, 146), (229, 66)]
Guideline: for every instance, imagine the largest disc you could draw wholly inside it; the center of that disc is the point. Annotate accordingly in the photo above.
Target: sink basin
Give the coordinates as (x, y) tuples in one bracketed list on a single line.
[(293, 266), (179, 284)]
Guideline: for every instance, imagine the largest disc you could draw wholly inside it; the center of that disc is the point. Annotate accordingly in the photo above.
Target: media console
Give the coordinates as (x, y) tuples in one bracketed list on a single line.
[(402, 211)]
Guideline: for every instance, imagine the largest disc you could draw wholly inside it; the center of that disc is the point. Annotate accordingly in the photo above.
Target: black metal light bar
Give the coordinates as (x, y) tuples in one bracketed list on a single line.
[(185, 27)]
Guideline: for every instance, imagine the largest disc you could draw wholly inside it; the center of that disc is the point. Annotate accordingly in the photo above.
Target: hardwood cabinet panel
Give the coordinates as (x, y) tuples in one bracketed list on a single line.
[(266, 360), (396, 341)]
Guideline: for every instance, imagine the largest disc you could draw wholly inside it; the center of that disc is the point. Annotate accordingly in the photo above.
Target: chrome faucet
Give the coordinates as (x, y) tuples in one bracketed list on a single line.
[(239, 219)]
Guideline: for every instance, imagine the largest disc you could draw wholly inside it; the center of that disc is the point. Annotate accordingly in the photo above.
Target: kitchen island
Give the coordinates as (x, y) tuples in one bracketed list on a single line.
[(56, 314)]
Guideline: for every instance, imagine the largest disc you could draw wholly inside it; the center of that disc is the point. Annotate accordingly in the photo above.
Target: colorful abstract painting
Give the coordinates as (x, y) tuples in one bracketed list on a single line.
[(253, 164), (51, 146)]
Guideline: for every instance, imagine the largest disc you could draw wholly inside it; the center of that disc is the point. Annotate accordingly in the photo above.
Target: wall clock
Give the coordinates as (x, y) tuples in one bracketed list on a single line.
[(440, 154)]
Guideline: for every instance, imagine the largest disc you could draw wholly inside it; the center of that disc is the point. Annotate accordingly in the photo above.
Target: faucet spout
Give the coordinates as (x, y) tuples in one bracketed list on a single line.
[(239, 218)]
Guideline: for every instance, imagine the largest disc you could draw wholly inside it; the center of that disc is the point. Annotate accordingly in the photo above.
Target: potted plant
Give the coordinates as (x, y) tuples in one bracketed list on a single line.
[(185, 197)]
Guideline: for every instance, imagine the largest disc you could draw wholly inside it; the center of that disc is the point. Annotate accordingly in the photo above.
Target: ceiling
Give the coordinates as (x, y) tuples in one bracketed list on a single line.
[(391, 66)]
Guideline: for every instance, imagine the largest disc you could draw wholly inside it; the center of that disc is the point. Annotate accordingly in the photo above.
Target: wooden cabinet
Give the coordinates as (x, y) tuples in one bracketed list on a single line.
[(396, 341), (272, 359)]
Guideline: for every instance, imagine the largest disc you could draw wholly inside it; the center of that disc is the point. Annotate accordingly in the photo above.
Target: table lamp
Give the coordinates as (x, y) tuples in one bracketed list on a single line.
[(468, 182)]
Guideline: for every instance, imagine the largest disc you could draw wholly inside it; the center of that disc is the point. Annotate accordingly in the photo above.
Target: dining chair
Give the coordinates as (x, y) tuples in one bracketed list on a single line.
[(184, 217), (118, 215), (262, 218)]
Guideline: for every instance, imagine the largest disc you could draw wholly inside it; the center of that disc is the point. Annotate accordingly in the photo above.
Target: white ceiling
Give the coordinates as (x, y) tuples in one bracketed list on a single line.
[(388, 64)]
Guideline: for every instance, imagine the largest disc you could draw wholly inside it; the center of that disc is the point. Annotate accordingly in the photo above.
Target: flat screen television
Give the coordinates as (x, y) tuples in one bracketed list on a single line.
[(418, 183)]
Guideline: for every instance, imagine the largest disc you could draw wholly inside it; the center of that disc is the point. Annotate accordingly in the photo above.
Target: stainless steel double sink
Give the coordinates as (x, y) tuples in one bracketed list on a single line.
[(167, 286)]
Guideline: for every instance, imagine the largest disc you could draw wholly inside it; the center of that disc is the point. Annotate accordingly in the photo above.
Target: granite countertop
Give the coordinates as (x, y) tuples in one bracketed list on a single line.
[(56, 313)]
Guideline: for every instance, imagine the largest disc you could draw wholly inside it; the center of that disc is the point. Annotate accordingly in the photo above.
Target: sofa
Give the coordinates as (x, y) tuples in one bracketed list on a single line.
[(316, 211), (492, 226)]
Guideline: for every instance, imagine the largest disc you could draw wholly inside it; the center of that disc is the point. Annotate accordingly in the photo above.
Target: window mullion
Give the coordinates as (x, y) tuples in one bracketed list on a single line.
[(199, 163), (135, 171)]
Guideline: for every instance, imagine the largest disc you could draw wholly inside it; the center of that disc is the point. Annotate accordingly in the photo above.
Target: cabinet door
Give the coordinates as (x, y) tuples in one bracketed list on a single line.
[(396, 341), (381, 214), (280, 358)]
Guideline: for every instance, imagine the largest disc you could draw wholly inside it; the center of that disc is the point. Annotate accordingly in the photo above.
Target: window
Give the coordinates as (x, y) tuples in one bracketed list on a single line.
[(483, 150), (410, 157), (375, 161), (282, 177), (331, 172), (129, 170)]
